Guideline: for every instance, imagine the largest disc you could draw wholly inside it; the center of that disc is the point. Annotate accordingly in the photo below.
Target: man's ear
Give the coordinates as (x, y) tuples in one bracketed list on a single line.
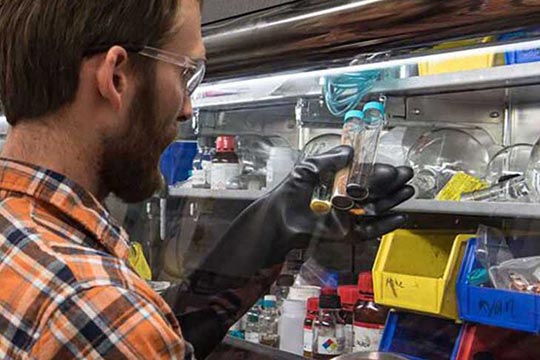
[(112, 77)]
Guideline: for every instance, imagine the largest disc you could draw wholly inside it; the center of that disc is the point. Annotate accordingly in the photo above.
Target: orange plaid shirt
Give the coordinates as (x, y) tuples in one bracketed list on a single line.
[(66, 288)]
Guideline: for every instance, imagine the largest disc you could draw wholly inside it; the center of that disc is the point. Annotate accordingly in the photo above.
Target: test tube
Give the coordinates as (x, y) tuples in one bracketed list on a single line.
[(352, 125), (320, 199), (365, 148)]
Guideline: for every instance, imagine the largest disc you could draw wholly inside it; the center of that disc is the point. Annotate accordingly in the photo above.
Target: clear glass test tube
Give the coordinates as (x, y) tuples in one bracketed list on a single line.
[(352, 125), (365, 150)]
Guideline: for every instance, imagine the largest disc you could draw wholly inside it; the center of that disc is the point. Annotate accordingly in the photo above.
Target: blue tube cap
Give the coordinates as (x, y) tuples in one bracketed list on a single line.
[(359, 114), (374, 105)]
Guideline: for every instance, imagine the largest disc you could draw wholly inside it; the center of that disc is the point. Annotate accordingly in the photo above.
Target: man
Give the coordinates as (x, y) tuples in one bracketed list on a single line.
[(93, 91)]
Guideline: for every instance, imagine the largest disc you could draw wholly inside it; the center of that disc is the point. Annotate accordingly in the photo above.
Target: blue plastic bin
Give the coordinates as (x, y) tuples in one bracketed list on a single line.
[(176, 161), (522, 56), (489, 306), (420, 337)]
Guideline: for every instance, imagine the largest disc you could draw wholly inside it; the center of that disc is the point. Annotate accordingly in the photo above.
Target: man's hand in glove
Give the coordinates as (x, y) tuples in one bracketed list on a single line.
[(282, 220), (247, 258)]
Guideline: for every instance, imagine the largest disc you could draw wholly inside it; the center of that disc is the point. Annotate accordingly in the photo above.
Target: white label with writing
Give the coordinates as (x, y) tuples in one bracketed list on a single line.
[(330, 345), (349, 338), (308, 340), (198, 178), (367, 339)]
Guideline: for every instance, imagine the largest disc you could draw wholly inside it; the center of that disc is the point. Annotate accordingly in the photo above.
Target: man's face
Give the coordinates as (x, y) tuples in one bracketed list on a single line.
[(130, 164)]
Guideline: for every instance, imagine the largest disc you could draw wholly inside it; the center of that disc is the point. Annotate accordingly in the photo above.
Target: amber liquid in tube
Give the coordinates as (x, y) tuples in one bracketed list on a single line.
[(353, 123)]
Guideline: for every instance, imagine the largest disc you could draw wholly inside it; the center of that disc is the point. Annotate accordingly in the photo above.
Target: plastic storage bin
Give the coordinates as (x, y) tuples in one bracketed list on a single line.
[(465, 63), (522, 56), (177, 161), (417, 270), (504, 308), (497, 344), (419, 337)]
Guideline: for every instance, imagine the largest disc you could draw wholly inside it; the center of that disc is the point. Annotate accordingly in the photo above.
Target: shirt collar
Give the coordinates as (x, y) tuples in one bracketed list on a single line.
[(69, 198)]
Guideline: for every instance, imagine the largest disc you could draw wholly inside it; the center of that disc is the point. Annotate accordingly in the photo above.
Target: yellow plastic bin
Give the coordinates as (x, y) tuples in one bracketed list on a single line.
[(457, 64), (417, 270)]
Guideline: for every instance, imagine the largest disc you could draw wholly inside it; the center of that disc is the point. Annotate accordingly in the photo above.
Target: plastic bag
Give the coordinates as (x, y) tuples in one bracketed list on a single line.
[(492, 248), (521, 274), (138, 261)]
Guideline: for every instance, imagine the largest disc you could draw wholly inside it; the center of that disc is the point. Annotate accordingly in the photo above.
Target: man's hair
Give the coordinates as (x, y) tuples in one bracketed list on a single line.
[(43, 43)]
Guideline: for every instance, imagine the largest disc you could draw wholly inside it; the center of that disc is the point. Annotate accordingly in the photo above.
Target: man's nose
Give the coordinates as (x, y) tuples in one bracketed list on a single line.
[(187, 110)]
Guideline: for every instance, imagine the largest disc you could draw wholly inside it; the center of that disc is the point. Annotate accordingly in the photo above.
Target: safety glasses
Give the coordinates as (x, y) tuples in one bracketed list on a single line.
[(193, 69)]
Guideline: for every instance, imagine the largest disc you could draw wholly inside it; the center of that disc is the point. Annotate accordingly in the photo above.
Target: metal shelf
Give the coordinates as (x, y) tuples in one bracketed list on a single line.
[(490, 78), (291, 87), (216, 194), (482, 209)]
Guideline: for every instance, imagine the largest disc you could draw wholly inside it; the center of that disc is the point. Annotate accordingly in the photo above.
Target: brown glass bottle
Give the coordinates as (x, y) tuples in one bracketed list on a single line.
[(311, 315), (225, 164), (349, 297), (369, 318), (328, 329)]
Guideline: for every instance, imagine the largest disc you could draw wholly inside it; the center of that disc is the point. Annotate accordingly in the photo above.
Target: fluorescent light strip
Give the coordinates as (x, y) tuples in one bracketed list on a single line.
[(248, 83), (293, 19)]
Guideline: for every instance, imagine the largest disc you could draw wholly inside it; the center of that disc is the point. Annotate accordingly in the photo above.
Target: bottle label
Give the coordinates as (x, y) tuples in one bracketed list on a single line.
[(308, 339), (330, 345), (349, 338), (252, 337), (367, 337), (198, 178), (222, 173)]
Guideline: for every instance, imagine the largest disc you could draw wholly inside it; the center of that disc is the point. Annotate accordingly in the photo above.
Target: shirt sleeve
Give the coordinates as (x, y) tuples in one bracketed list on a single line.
[(108, 322)]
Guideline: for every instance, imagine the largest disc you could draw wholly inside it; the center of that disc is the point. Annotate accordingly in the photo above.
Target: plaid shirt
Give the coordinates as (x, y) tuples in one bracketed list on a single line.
[(66, 288)]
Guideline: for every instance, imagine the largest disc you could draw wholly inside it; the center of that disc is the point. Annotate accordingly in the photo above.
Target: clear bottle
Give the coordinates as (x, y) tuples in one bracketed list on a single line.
[(237, 330), (202, 163), (369, 318), (311, 315), (352, 125), (251, 325), (365, 150), (349, 297), (281, 288), (329, 329), (269, 322), (225, 164), (525, 188)]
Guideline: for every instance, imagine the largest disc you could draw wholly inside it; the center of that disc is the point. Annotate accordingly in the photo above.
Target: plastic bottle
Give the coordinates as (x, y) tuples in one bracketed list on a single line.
[(202, 163), (369, 318), (291, 326), (281, 288), (311, 315), (280, 163), (269, 322), (251, 326), (365, 150), (329, 329), (352, 125), (225, 164), (349, 297), (237, 330)]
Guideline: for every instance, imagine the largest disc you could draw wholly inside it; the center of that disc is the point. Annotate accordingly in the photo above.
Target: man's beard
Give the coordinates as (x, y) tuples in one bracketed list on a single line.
[(129, 166)]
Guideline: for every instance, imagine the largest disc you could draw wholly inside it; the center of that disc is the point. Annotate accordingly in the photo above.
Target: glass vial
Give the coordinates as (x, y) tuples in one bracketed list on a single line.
[(369, 318), (365, 149), (352, 125)]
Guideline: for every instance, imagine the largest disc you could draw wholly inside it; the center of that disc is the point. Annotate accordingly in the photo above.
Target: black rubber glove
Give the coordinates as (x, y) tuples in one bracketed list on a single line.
[(280, 221), (248, 255)]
